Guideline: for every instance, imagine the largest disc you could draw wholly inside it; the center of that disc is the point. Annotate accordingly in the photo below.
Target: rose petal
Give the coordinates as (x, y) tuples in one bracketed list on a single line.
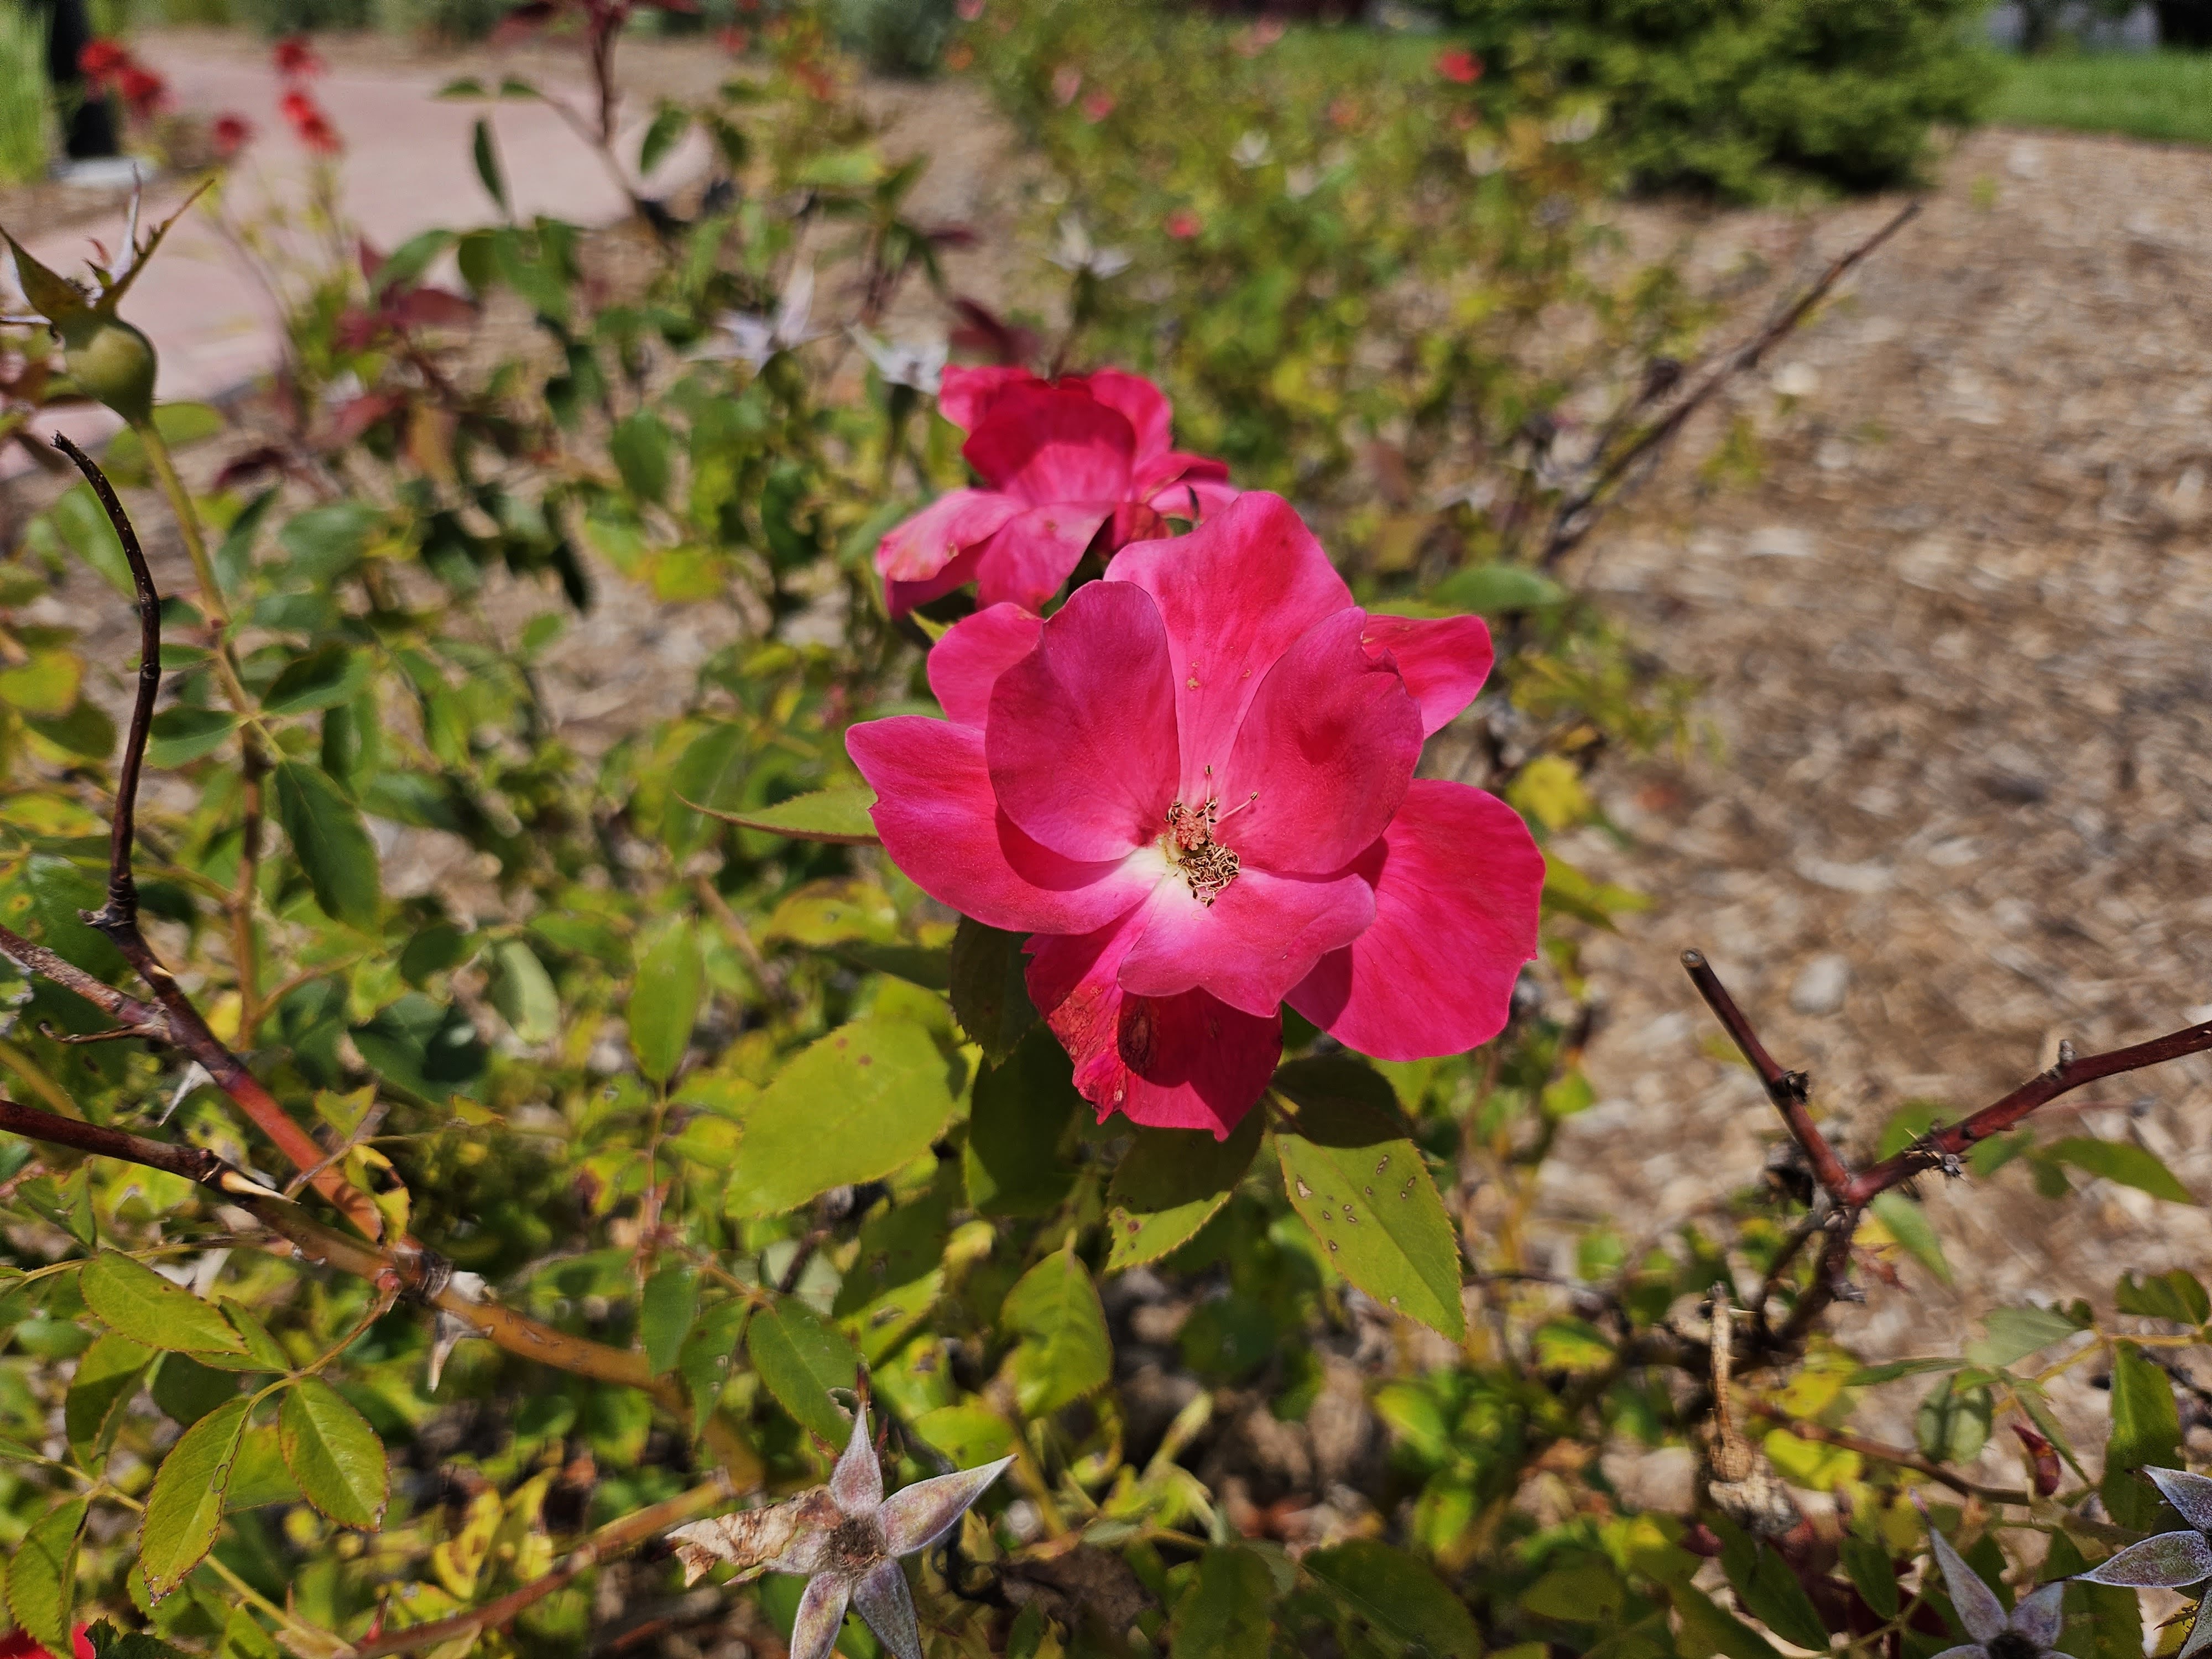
[(1138, 401), (916, 1516), (1457, 878), (1261, 936), (2169, 1561), (1324, 756), (1043, 443), (820, 1611), (882, 1598), (857, 1482), (955, 521), (964, 396), (1167, 474), (941, 824), (1081, 732), (2189, 1493), (1184, 1063), (1031, 555), (1444, 662), (899, 597), (1235, 593), (2039, 1615), (1975, 1602), (967, 662)]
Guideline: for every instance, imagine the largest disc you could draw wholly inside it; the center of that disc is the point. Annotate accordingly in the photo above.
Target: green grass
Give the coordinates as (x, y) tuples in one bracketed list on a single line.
[(2165, 95), (23, 112)]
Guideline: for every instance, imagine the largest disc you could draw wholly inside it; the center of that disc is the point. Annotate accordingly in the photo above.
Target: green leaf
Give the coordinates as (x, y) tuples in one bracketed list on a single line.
[(333, 1454), (1889, 1370), (1710, 1631), (2145, 1434), (187, 1390), (78, 519), (800, 1357), (1019, 1109), (2178, 1296), (107, 1374), (707, 777), (1397, 1595), (181, 423), (839, 815), (644, 454), (990, 996), (2121, 1161), (332, 844), (46, 685), (1908, 1225), (523, 992), (1768, 1591), (663, 1001), (234, 560), (42, 1575), (1497, 590), (485, 154), (2016, 1333), (133, 1300), (1362, 1189), (1228, 1611), (666, 1309), (1874, 1574), (257, 1474), (1953, 1422), (181, 735), (1063, 1351), (184, 1510), (321, 679), (325, 543), (669, 123), (703, 1362), (1170, 1184), (854, 1106)]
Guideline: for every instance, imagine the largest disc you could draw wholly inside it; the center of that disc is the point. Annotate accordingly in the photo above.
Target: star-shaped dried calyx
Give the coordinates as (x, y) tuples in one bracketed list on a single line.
[(2025, 1632), (2171, 1560), (846, 1538)]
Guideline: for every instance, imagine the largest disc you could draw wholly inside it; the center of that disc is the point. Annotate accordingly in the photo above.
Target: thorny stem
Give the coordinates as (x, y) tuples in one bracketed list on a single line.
[(610, 1540), (177, 1019), (1787, 1090), (421, 1275), (1576, 516)]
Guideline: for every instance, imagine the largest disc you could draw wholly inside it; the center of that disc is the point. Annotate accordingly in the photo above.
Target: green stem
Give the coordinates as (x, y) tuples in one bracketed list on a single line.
[(188, 524)]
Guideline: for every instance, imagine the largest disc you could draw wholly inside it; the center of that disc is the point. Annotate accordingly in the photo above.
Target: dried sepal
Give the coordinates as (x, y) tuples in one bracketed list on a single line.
[(2171, 1560), (916, 1516), (2189, 1493), (821, 1611), (857, 1482), (785, 1537), (882, 1598), (1977, 1604)]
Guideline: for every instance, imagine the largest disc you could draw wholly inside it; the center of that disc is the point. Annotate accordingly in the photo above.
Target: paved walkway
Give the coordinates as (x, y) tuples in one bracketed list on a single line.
[(406, 169)]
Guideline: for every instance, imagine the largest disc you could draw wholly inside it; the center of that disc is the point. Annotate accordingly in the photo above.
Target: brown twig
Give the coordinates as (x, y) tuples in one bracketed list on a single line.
[(2070, 1073), (1787, 1090), (1576, 515), (180, 1023), (421, 1275), (610, 1540)]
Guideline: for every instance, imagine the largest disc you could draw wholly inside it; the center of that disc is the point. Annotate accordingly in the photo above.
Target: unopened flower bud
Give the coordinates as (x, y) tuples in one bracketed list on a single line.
[(111, 362)]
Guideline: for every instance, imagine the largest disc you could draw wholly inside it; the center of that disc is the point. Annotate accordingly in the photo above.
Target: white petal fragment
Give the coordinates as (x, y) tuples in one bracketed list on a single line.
[(1977, 1606), (882, 1598), (821, 1611), (857, 1482), (2040, 1616), (916, 1516)]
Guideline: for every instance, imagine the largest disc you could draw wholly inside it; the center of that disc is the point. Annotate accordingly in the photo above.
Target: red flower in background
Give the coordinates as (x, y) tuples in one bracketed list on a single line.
[(1061, 462), (101, 60), (1193, 788), (1097, 105), (1459, 65), (142, 92), (295, 59), (230, 132), (1183, 224), (19, 1645), (309, 124)]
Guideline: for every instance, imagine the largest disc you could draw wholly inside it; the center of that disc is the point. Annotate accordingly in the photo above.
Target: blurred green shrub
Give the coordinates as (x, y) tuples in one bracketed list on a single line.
[(1747, 99), (897, 37), (271, 18), (440, 20), (26, 112)]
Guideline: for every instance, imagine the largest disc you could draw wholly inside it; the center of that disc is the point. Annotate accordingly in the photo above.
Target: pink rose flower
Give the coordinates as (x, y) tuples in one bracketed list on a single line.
[(1193, 788), (1060, 461)]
